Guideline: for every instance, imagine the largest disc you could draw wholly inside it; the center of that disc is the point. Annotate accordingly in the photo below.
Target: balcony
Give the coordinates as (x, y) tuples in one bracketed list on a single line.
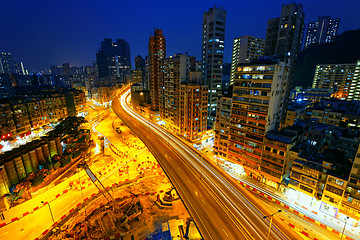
[(294, 182), (271, 155), (273, 160), (274, 145), (271, 168), (354, 175), (297, 169)]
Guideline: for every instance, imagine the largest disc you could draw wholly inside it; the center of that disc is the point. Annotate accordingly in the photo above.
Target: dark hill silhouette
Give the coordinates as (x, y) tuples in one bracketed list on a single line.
[(344, 49)]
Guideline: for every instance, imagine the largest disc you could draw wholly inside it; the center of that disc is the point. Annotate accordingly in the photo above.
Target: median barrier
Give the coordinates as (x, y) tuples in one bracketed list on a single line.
[(306, 234)]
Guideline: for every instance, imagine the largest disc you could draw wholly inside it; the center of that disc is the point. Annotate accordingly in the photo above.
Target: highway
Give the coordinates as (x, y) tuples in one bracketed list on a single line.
[(220, 208)]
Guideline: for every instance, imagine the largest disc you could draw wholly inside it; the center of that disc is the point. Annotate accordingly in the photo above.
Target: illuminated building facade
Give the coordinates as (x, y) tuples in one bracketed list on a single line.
[(113, 60), (222, 126), (245, 49), (213, 37), (339, 77), (275, 160), (323, 30), (193, 110), (284, 34), (173, 71), (156, 52), (257, 105)]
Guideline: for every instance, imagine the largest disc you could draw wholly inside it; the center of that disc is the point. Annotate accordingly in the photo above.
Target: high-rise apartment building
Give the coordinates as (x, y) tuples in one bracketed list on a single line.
[(257, 105), (66, 68), (339, 77), (173, 71), (284, 34), (7, 63), (113, 59), (137, 76), (354, 93), (156, 52), (193, 110), (139, 71), (245, 49), (222, 126), (6, 86), (19, 68), (323, 30), (213, 37), (139, 62), (56, 107)]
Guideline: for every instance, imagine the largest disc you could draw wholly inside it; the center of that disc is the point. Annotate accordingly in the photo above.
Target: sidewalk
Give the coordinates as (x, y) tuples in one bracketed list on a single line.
[(313, 213)]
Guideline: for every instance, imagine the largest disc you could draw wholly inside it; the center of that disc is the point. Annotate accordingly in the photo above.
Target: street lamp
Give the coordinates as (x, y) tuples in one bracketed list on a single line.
[(50, 211), (279, 211), (344, 227)]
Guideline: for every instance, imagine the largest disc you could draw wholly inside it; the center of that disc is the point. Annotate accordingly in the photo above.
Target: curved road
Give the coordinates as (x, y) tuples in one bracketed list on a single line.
[(220, 208)]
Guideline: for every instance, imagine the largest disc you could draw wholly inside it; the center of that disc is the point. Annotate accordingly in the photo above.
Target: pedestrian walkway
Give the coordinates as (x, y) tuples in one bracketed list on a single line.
[(312, 214)]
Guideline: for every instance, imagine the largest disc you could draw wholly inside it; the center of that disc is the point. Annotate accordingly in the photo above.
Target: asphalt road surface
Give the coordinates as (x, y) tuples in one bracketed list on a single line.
[(219, 207)]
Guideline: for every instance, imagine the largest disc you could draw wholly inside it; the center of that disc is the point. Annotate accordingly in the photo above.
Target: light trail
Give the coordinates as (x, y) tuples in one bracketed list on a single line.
[(238, 207)]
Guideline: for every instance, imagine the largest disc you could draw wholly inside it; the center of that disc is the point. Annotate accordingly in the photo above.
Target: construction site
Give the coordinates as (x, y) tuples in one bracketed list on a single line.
[(142, 205)]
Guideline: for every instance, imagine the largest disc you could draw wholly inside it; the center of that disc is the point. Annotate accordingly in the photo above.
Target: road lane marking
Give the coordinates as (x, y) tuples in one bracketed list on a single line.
[(225, 232), (203, 201), (3, 234), (189, 182)]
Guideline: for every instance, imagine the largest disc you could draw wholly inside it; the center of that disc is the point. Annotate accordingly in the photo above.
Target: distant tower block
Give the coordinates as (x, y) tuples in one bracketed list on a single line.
[(40, 155), (34, 160), (11, 172)]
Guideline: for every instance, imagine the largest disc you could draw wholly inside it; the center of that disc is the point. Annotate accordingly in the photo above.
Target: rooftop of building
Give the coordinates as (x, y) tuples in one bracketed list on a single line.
[(250, 36), (262, 61), (350, 133), (295, 105), (287, 135), (316, 89), (341, 172), (313, 165), (311, 125)]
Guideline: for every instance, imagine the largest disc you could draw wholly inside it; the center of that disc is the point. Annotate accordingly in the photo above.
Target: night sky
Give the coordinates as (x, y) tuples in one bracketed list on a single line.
[(44, 33)]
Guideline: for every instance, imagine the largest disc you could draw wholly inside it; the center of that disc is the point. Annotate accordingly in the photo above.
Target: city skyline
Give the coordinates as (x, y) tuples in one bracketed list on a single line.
[(76, 41)]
